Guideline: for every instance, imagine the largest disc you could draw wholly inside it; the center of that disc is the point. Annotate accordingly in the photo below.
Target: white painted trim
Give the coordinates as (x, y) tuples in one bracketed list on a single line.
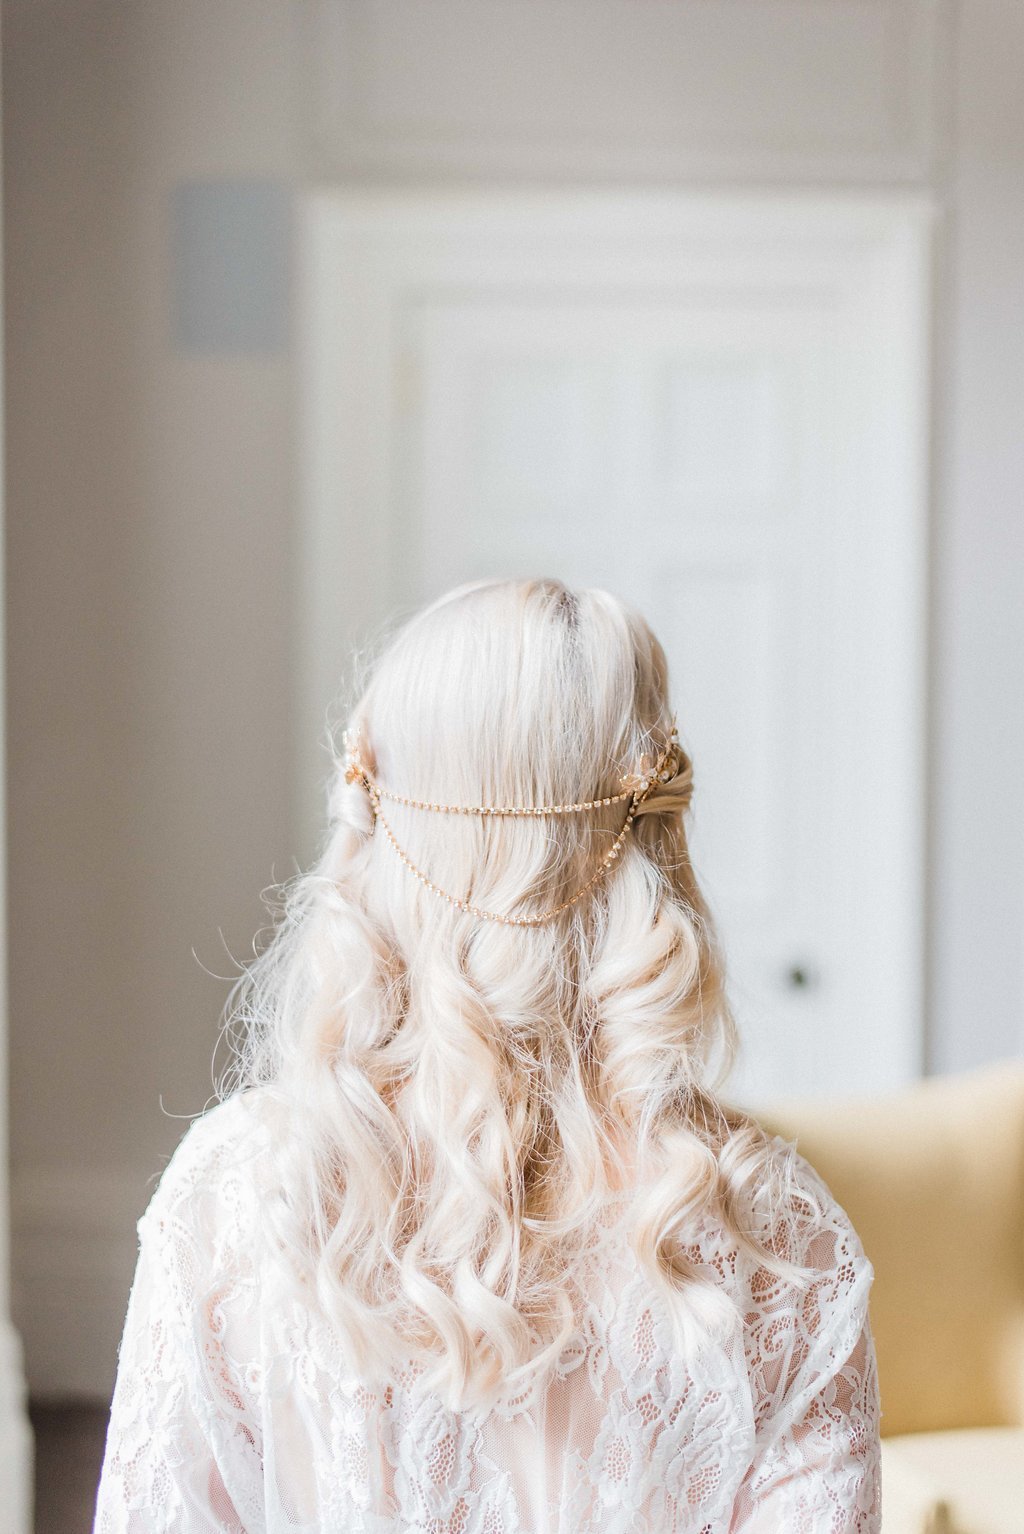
[(16, 1446), (74, 1238), (15, 1432), (365, 120)]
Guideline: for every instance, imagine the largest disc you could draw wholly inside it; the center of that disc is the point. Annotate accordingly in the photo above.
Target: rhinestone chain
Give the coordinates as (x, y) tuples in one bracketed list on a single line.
[(474, 910), (493, 809), (661, 772)]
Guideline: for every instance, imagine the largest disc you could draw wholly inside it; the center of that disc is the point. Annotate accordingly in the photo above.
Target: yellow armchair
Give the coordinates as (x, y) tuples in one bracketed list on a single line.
[(933, 1179)]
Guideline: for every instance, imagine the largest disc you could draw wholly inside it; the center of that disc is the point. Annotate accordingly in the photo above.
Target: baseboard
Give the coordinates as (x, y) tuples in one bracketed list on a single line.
[(73, 1250), (15, 1437)]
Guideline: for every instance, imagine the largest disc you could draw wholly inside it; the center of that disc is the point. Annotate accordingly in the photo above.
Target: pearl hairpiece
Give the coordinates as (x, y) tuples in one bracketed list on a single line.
[(637, 787)]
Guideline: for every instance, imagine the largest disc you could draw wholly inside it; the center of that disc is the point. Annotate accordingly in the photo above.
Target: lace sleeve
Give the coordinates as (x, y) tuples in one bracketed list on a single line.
[(813, 1367), (182, 1450)]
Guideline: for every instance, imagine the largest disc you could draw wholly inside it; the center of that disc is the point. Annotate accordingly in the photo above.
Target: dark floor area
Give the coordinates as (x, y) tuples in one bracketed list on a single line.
[(68, 1453)]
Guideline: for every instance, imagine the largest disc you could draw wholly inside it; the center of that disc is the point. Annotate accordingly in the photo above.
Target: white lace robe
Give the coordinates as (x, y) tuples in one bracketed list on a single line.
[(233, 1410)]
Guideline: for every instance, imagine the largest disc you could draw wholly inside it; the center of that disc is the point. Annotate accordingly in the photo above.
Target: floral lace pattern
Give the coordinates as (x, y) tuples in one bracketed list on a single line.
[(233, 1412)]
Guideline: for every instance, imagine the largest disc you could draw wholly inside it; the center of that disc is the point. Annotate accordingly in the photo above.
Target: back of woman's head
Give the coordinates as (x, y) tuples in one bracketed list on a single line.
[(476, 1024)]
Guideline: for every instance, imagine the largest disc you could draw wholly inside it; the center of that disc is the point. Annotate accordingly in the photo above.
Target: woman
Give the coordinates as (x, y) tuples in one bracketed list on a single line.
[(473, 1247)]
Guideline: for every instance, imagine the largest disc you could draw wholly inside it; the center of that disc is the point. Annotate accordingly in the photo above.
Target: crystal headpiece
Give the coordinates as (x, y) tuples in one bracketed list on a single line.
[(637, 787)]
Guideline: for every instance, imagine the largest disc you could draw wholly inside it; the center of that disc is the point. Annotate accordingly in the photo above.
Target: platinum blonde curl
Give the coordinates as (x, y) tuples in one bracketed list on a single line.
[(457, 1097)]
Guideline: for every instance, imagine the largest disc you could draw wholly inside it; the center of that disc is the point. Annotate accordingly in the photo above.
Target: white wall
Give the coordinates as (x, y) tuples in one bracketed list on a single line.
[(149, 568), (977, 946), (151, 506)]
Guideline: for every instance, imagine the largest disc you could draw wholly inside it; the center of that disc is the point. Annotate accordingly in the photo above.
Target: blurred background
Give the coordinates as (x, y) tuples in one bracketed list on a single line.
[(316, 307)]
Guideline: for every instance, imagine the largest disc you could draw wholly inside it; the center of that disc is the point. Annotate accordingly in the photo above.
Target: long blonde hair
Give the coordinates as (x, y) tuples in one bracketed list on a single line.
[(458, 1096)]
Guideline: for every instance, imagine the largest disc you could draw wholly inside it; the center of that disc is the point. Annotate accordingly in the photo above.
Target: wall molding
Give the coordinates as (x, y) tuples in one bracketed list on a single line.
[(841, 92)]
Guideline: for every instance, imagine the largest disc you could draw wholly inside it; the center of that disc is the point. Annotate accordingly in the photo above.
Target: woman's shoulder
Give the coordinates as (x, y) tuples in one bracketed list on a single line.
[(822, 1307), (787, 1244), (804, 1217), (218, 1172)]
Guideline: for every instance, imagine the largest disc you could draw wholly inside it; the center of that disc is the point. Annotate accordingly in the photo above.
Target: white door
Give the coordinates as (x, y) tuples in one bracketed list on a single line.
[(714, 408)]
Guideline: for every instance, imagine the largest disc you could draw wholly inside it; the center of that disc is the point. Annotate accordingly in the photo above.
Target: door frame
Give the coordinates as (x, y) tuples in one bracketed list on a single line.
[(368, 256)]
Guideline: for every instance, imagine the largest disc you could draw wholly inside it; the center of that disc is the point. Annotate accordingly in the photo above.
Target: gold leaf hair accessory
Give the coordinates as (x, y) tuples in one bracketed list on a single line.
[(638, 786)]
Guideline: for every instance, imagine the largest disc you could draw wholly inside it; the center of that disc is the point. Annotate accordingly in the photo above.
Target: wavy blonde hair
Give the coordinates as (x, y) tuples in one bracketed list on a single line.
[(459, 1097)]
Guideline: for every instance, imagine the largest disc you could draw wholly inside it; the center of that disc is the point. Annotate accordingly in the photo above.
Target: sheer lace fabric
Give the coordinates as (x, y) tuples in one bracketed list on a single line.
[(233, 1410)]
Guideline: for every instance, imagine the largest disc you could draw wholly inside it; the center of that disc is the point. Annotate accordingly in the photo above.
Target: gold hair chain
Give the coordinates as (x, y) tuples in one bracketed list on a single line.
[(645, 783)]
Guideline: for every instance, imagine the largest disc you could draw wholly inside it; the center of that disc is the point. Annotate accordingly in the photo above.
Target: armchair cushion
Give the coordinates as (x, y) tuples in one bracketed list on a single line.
[(966, 1482), (933, 1178)]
